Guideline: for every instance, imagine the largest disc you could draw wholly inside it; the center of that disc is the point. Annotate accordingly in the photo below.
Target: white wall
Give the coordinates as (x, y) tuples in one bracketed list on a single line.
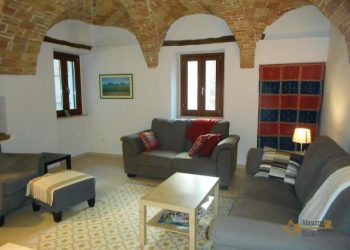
[(109, 119), (3, 119), (303, 22), (30, 99), (31, 114), (336, 103)]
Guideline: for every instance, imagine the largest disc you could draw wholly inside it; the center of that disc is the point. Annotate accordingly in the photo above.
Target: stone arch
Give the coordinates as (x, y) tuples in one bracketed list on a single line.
[(338, 13), (24, 23), (23, 27)]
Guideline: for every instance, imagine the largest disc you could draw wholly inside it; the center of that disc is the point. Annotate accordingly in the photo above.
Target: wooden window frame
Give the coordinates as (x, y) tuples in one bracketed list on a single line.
[(63, 58), (201, 58)]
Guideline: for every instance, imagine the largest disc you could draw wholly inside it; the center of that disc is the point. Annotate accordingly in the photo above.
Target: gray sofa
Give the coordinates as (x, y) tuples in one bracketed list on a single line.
[(173, 157), (259, 216), (15, 172)]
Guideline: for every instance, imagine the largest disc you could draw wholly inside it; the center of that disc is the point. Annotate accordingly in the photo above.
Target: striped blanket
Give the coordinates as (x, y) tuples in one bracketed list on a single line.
[(317, 207), (43, 187)]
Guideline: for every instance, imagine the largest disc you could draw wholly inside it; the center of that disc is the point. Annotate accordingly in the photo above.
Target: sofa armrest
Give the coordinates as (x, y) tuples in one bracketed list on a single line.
[(246, 233), (254, 157), (20, 161), (225, 157), (132, 144), (230, 143)]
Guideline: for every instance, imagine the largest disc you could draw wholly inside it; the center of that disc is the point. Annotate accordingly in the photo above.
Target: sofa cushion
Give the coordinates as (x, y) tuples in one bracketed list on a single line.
[(170, 133), (316, 156), (155, 158), (222, 128), (194, 165), (265, 211), (270, 191), (339, 211), (14, 181), (279, 165), (149, 140)]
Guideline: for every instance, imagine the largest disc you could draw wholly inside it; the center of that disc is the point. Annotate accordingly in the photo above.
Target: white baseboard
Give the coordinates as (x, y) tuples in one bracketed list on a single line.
[(241, 166), (116, 156)]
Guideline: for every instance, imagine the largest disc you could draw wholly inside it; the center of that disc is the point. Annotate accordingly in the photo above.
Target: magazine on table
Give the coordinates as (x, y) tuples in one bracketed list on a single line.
[(179, 219)]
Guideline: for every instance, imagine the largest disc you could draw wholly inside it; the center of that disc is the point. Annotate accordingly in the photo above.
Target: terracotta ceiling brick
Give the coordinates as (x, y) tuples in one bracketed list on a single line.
[(24, 23)]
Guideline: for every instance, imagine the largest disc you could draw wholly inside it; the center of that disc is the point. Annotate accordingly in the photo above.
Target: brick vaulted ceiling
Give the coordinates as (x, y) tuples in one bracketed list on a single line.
[(24, 23)]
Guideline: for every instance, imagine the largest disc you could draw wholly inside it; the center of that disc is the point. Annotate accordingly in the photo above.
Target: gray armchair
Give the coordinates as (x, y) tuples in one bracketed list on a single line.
[(15, 172)]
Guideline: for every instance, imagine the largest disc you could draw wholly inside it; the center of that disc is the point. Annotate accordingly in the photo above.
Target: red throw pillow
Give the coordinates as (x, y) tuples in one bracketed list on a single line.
[(149, 140), (198, 145), (212, 141), (205, 144)]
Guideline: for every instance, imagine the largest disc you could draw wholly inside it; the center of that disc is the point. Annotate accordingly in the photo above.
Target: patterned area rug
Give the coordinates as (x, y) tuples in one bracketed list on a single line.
[(114, 224)]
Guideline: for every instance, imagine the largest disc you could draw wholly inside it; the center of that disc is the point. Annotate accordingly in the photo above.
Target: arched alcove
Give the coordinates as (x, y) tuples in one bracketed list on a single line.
[(76, 31)]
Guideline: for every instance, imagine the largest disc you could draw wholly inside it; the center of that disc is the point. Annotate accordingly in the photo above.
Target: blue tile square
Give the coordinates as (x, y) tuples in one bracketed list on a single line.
[(311, 88), (269, 115), (270, 87), (288, 115), (269, 141), (286, 143), (308, 116), (290, 87)]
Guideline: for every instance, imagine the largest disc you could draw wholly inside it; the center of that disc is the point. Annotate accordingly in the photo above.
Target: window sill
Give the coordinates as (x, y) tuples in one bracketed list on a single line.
[(198, 116), (72, 116)]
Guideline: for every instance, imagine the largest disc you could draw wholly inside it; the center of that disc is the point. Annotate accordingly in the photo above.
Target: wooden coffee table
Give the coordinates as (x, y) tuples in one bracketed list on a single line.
[(183, 193)]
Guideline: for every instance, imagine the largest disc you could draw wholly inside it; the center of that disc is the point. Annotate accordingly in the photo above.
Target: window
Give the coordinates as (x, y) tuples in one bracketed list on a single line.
[(202, 81), (67, 84)]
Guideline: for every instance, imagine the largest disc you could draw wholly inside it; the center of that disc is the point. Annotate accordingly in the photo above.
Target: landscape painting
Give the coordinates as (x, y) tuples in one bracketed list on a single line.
[(116, 86)]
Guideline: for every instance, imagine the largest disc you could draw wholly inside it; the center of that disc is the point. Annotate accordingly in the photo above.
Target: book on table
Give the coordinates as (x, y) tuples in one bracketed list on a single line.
[(179, 219)]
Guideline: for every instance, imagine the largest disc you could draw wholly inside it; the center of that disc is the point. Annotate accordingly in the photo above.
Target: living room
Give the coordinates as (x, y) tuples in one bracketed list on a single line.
[(302, 35)]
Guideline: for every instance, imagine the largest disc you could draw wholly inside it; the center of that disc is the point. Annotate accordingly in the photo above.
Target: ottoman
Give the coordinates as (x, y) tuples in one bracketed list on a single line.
[(61, 190)]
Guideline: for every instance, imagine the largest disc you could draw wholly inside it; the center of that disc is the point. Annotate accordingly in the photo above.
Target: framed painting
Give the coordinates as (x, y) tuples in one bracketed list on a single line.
[(116, 86)]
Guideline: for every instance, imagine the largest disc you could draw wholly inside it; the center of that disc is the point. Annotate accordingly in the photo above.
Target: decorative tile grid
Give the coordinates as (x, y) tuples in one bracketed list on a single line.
[(290, 96)]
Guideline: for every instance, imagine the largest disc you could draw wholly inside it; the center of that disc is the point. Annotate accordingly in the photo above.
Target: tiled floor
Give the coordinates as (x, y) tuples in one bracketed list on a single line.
[(109, 174)]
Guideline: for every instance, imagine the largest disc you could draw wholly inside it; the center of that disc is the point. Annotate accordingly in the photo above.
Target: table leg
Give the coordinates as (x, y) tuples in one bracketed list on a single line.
[(216, 199), (192, 229), (143, 226), (69, 162)]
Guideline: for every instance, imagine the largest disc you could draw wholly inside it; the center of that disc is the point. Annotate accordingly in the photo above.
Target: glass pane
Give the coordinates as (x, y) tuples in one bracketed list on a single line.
[(210, 85), (72, 90), (192, 85), (58, 84)]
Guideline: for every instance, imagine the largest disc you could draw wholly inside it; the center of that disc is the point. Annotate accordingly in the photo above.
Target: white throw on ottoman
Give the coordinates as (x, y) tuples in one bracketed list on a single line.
[(61, 190)]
